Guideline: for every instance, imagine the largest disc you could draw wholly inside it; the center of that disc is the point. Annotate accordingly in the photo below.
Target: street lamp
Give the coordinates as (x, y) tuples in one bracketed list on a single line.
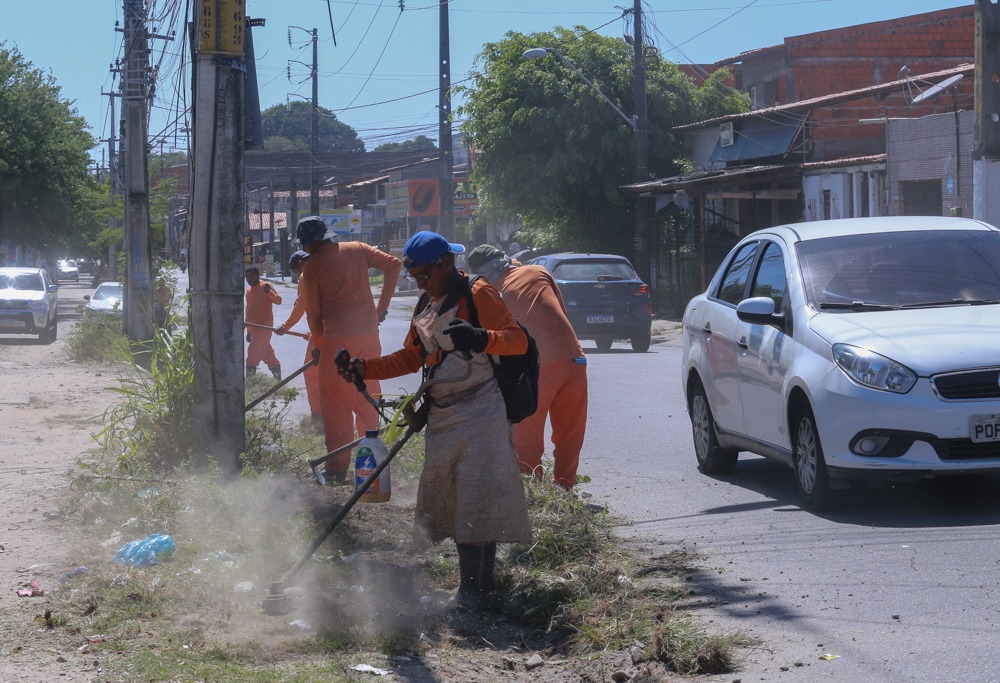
[(541, 52), (638, 129)]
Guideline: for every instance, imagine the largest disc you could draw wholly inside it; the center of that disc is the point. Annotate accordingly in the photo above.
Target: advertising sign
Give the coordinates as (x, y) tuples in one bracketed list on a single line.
[(424, 198)]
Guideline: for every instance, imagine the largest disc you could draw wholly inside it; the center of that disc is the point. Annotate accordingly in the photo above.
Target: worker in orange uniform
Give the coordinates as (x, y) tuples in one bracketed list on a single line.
[(338, 302), (311, 375), (533, 297), (261, 298), (470, 489)]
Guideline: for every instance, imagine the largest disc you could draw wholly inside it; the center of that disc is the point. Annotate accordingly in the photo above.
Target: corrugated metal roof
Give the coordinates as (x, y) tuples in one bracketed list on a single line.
[(760, 138)]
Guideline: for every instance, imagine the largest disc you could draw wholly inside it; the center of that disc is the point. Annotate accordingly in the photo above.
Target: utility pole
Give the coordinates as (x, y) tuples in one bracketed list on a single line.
[(114, 182), (217, 227), (986, 151), (293, 213), (645, 239), (446, 222), (314, 139), (138, 300)]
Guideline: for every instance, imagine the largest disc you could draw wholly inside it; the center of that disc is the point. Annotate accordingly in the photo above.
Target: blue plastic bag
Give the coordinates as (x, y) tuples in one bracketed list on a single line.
[(146, 551)]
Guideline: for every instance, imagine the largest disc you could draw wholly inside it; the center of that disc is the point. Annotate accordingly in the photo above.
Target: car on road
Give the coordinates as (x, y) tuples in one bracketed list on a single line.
[(107, 298), (852, 350), (605, 299), (68, 270), (28, 303)]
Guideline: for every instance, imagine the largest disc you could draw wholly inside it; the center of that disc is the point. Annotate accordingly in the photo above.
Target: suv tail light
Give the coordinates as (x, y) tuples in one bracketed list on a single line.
[(641, 290)]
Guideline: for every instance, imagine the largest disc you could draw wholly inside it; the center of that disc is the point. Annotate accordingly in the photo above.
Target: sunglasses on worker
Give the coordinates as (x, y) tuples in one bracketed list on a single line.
[(425, 274)]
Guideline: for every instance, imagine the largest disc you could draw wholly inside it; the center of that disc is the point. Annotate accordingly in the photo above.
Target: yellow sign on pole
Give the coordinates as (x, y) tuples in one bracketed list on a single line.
[(222, 27)]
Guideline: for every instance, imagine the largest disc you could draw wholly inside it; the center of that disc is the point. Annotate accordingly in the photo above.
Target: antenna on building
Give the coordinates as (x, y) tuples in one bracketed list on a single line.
[(937, 89)]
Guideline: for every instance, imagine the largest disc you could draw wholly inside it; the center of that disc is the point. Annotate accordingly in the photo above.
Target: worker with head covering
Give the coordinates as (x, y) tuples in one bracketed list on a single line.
[(341, 313), (311, 375), (261, 298), (470, 488), (533, 297)]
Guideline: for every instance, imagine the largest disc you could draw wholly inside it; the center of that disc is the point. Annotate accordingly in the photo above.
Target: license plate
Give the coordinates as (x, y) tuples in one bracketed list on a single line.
[(984, 428), (600, 319), (12, 322)]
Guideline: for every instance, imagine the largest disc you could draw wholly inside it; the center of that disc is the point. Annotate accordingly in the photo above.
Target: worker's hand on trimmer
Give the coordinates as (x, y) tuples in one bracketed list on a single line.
[(249, 338), (279, 330), (465, 337), (267, 288), (382, 313), (353, 371)]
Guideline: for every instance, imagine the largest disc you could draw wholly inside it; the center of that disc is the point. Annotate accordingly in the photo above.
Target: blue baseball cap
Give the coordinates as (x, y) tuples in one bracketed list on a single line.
[(425, 247)]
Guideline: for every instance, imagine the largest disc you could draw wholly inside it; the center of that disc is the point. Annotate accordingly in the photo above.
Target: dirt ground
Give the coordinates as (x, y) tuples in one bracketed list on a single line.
[(50, 410)]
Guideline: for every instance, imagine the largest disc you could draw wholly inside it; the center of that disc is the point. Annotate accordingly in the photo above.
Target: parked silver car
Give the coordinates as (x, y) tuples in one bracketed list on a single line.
[(107, 298), (28, 303)]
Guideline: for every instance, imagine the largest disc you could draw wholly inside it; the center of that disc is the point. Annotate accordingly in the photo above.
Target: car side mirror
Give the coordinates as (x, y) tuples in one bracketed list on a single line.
[(53, 288), (759, 310), (86, 297)]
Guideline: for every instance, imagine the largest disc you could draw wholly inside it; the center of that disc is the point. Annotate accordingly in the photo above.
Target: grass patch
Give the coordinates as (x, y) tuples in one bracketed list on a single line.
[(98, 338)]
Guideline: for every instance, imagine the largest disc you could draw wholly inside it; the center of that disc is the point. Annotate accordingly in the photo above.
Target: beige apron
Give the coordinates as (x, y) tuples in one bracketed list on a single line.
[(470, 487)]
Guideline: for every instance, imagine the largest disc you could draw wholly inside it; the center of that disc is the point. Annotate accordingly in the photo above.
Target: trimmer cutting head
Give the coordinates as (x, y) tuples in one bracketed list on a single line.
[(277, 602)]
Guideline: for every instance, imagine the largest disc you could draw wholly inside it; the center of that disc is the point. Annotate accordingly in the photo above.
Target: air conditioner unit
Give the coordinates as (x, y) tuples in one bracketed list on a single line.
[(726, 134)]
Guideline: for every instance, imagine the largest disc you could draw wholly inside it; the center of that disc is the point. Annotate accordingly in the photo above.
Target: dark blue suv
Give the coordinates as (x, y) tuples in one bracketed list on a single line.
[(605, 299)]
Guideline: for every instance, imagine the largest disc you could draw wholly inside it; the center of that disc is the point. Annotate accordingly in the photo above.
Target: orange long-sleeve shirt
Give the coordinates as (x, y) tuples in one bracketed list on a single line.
[(337, 297), (505, 336), (298, 310), (533, 297), (260, 304)]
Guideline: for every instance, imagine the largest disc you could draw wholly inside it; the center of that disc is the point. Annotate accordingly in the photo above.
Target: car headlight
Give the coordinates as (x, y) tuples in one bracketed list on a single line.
[(872, 370), (37, 305)]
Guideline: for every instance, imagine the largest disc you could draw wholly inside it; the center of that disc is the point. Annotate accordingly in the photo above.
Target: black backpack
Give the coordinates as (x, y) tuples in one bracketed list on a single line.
[(517, 376)]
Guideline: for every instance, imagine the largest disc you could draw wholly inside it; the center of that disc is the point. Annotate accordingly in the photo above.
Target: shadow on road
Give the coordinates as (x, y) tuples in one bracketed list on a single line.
[(957, 500)]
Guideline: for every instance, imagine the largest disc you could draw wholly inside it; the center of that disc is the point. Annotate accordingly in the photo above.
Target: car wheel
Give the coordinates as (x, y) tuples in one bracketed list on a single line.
[(810, 466), (640, 344), (604, 343), (712, 458), (49, 335)]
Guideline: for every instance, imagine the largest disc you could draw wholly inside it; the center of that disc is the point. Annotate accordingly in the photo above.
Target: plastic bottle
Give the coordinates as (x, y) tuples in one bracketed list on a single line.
[(369, 454)]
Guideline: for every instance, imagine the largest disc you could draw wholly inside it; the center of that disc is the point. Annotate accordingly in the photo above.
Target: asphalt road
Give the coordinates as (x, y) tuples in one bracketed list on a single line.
[(899, 583)]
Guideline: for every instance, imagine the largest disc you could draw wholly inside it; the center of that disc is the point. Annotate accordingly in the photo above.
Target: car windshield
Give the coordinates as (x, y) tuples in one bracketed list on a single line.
[(909, 269), (593, 270), (29, 282), (105, 293)]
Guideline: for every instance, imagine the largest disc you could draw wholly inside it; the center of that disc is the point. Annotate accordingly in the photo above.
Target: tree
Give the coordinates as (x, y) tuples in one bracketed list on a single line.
[(48, 198), (421, 143), (554, 155), (292, 124)]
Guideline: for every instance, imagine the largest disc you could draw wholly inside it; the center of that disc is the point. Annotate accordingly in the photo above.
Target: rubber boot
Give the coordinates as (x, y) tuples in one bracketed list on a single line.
[(470, 571), (489, 565), (276, 371), (251, 371)]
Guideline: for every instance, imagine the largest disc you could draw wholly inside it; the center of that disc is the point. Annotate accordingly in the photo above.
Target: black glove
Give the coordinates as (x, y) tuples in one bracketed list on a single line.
[(267, 287), (249, 338), (465, 337)]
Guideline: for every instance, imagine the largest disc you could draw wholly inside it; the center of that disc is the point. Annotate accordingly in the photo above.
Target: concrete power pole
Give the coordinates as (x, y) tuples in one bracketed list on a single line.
[(645, 245), (138, 300), (446, 181), (314, 131), (114, 182), (986, 152), (217, 227)]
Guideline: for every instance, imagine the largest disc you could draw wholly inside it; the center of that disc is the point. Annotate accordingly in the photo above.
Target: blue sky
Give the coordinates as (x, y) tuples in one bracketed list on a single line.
[(387, 56)]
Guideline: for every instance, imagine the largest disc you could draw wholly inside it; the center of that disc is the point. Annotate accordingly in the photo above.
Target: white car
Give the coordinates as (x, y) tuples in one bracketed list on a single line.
[(107, 298), (854, 349), (28, 303)]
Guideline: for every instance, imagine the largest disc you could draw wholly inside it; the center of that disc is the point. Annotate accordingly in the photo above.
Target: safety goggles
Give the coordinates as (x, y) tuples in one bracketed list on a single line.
[(424, 275)]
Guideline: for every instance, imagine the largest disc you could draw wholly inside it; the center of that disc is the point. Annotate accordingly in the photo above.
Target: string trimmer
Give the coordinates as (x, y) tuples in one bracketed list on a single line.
[(312, 361), (278, 602), (275, 329)]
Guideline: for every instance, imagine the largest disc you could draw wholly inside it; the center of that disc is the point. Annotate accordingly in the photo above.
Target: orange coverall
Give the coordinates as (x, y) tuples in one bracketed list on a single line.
[(533, 297), (312, 374), (260, 311), (338, 304)]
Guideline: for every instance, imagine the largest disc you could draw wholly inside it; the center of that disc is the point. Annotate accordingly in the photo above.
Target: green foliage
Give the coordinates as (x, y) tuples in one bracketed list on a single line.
[(98, 338), (49, 198), (271, 446), (292, 123), (417, 144), (151, 424), (554, 154)]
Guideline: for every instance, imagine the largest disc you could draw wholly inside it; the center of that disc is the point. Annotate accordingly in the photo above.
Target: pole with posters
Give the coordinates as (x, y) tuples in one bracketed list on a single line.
[(218, 222)]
